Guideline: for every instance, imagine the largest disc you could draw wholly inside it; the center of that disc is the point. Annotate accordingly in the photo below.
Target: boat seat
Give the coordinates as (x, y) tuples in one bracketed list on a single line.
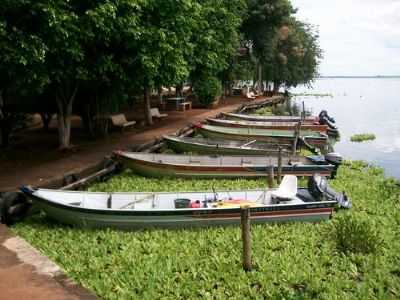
[(287, 189)]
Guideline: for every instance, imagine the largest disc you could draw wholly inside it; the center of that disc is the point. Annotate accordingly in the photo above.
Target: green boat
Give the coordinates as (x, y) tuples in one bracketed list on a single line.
[(314, 139), (229, 147), (258, 118)]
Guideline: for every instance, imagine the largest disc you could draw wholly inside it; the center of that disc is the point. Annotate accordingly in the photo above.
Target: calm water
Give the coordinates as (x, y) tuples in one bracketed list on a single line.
[(362, 105)]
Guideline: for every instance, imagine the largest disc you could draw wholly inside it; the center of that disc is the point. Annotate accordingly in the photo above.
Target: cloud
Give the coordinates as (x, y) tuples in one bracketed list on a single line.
[(359, 37)]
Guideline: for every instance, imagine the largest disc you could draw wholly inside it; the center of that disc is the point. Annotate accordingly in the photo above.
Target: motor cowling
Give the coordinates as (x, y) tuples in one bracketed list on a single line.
[(335, 159), (318, 187)]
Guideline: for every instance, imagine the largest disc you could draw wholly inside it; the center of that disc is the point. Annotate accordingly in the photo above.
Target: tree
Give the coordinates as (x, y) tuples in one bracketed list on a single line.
[(262, 20), (296, 55), (215, 37), (21, 62)]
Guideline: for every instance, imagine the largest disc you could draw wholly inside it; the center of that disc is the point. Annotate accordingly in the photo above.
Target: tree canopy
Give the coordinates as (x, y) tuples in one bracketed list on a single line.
[(88, 56)]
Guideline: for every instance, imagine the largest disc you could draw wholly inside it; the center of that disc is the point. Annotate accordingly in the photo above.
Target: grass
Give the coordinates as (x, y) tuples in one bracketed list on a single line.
[(362, 137), (292, 261)]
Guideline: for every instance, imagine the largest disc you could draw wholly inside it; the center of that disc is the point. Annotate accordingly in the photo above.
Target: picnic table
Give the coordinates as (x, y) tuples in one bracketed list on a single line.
[(176, 101)]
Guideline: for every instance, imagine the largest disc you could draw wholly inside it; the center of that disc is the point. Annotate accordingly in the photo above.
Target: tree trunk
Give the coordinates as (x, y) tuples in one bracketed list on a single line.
[(4, 134), (64, 104), (277, 85), (260, 83), (5, 128), (147, 105), (46, 118), (179, 90)]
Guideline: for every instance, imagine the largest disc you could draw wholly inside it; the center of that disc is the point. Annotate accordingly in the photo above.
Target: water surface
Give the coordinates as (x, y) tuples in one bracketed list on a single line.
[(362, 105)]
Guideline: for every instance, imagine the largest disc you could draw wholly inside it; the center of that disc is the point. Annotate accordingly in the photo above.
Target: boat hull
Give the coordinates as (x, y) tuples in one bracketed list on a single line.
[(232, 116), (241, 136), (159, 169), (267, 125), (307, 212), (184, 146)]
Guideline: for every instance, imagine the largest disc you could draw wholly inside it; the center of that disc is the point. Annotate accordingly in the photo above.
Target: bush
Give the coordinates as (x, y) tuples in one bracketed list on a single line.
[(356, 233), (207, 89)]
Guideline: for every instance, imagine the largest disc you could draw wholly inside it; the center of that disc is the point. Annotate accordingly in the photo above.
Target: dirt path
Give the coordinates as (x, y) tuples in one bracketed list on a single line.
[(37, 160)]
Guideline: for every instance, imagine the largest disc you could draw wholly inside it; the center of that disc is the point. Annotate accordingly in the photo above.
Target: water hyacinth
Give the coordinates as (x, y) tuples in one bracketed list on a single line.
[(363, 137), (292, 261)]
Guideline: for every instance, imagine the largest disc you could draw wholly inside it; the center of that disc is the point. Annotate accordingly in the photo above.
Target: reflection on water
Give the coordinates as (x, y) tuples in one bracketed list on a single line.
[(362, 105)]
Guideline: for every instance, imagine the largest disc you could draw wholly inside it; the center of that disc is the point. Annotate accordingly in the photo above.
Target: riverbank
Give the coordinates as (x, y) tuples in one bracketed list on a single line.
[(354, 255), (36, 161)]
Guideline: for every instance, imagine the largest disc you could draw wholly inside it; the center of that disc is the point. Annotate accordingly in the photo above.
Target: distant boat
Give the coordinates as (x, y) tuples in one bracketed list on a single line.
[(314, 139), (177, 209), (229, 147), (202, 166), (267, 125), (307, 120)]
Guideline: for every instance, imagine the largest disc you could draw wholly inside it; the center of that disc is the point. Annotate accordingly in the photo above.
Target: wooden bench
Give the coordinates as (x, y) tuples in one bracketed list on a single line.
[(121, 121), (185, 105), (155, 113)]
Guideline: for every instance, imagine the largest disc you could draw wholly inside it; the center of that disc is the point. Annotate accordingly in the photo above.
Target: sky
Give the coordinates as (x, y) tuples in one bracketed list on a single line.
[(358, 37)]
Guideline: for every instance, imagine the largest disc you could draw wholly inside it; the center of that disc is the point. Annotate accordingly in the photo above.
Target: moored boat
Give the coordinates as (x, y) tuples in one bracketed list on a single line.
[(177, 209), (314, 139), (268, 125), (259, 118), (202, 166), (202, 145)]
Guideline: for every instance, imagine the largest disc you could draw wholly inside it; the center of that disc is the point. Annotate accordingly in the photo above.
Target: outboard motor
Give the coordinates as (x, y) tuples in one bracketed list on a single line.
[(318, 187), (325, 119), (335, 159)]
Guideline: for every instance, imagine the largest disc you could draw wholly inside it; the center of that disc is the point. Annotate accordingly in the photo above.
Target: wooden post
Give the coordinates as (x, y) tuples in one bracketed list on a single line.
[(303, 114), (271, 176), (296, 137), (246, 237), (279, 175)]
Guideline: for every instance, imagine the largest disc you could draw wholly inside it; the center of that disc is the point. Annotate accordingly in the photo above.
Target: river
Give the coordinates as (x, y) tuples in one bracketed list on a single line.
[(361, 105)]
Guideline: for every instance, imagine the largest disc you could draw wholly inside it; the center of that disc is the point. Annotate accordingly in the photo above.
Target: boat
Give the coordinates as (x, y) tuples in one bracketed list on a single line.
[(314, 139), (203, 166), (178, 209), (202, 145), (267, 125), (259, 118), (322, 119)]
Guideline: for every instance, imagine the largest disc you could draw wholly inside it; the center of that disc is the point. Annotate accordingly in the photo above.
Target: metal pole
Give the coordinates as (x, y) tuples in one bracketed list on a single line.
[(246, 237)]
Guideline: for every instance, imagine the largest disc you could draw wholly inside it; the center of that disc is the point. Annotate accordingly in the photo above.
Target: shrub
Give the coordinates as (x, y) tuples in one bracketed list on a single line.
[(207, 89), (356, 233)]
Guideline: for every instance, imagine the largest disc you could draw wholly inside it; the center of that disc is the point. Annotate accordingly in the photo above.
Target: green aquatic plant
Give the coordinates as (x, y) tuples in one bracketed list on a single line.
[(362, 137), (317, 95), (291, 261), (357, 233)]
